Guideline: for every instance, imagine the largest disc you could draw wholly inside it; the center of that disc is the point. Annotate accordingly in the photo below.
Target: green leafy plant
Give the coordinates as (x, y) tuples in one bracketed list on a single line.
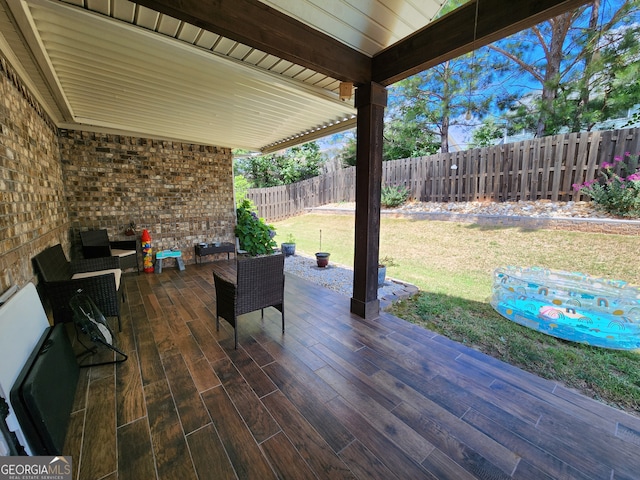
[(241, 187), (393, 196), (289, 246), (614, 193), (293, 165), (387, 262), (254, 235)]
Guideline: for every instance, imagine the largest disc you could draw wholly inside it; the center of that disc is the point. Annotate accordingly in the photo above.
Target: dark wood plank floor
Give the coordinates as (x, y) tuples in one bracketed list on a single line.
[(335, 397)]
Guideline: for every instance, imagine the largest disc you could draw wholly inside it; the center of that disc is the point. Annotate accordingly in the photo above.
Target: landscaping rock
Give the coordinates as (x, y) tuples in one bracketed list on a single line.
[(339, 278), (540, 208)]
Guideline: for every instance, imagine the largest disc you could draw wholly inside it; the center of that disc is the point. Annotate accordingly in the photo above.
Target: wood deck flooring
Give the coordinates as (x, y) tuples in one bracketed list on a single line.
[(335, 397)]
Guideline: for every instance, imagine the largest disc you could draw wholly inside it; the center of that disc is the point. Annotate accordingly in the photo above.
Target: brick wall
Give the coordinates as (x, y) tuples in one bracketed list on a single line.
[(54, 184), (181, 193), (33, 213)]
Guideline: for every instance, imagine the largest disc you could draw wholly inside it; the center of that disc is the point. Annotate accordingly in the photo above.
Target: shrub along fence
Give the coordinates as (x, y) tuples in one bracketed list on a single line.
[(544, 168)]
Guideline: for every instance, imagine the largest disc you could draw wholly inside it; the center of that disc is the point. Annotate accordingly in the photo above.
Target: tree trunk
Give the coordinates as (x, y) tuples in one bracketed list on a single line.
[(446, 108), (590, 50), (553, 54), (444, 136)]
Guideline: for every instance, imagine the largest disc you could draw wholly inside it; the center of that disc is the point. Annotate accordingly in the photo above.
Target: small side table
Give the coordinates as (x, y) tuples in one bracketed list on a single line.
[(210, 249), (169, 254)]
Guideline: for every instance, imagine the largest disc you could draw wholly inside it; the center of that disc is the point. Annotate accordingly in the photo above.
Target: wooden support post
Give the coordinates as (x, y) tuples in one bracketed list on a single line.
[(371, 99)]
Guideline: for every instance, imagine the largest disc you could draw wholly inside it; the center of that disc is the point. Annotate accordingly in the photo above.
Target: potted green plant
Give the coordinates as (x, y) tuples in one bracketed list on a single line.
[(255, 236), (383, 263), (382, 274), (322, 258), (289, 247)]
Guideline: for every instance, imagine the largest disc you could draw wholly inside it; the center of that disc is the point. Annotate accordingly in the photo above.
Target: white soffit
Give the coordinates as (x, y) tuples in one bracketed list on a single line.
[(115, 76), (368, 26)]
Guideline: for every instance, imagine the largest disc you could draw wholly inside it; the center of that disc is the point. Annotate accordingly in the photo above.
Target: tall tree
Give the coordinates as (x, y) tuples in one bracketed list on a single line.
[(572, 59), (558, 61), (402, 139), (585, 91), (451, 93), (610, 83)]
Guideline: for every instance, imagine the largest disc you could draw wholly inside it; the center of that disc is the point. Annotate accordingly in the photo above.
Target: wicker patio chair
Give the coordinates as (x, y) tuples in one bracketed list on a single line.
[(259, 284), (99, 278), (96, 244)]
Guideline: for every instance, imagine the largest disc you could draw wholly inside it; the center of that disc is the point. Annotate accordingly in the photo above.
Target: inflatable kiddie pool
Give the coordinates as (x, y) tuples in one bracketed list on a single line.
[(570, 305)]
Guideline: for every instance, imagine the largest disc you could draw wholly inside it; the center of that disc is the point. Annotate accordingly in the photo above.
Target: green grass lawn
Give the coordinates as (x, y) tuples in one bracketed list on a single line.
[(453, 263)]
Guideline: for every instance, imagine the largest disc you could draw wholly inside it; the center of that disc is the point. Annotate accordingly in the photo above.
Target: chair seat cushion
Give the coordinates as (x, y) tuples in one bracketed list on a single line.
[(115, 252), (116, 271)]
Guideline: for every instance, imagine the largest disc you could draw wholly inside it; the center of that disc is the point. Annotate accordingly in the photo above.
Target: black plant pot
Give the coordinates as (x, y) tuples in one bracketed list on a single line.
[(322, 259)]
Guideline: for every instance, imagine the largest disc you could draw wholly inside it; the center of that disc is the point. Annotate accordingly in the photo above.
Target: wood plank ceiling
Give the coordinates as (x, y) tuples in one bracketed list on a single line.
[(118, 66)]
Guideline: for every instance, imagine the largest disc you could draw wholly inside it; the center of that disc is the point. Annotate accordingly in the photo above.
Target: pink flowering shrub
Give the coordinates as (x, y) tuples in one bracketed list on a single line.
[(613, 193)]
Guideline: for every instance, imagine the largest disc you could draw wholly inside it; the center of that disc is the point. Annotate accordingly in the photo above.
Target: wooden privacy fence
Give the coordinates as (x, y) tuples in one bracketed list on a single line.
[(276, 203), (544, 168)]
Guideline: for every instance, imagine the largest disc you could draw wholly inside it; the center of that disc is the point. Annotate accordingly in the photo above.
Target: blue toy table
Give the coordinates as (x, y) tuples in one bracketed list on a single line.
[(169, 254)]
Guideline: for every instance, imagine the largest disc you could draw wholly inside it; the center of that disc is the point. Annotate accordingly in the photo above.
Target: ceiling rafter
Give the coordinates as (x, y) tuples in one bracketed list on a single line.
[(453, 34), (262, 27)]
